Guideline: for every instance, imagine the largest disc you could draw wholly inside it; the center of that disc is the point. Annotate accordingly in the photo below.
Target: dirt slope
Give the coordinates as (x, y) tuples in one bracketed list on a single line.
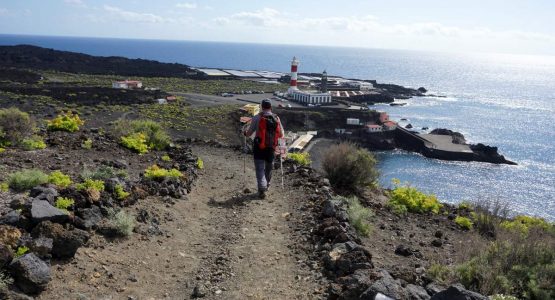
[(219, 242)]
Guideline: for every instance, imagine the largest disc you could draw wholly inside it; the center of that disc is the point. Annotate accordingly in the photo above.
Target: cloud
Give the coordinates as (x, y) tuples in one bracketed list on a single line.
[(3, 11), (135, 17), (272, 18), (75, 2), (186, 5)]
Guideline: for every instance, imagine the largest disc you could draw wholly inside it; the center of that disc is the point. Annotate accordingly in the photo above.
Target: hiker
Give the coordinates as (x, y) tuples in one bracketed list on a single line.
[(267, 129)]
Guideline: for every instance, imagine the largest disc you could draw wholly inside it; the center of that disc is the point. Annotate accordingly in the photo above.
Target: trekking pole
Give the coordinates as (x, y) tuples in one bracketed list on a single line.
[(282, 149), (244, 161)]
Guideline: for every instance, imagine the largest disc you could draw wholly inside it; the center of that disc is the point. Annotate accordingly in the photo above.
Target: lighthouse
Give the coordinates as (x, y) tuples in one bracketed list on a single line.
[(294, 66)]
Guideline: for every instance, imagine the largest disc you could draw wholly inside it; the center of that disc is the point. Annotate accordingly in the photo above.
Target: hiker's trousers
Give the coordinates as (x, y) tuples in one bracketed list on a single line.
[(263, 173)]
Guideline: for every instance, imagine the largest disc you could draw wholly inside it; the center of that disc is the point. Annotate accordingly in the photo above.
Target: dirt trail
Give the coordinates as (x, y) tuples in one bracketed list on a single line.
[(219, 242)]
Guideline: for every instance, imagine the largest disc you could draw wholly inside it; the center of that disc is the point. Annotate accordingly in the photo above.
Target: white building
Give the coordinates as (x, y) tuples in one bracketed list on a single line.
[(361, 85), (127, 84), (310, 97)]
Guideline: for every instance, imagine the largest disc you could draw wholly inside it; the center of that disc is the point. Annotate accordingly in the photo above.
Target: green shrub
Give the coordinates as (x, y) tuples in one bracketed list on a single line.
[(2, 150), (358, 215), (502, 297), (34, 142), (21, 250), (91, 184), (59, 179), (465, 205), (440, 273), (63, 203), (15, 125), (200, 163), (155, 172), (26, 179), (4, 187), (518, 265), (301, 158), (87, 144), (487, 215), (523, 224), (405, 198), (166, 158), (5, 281), (101, 173), (349, 168), (135, 142), (123, 223), (120, 193), (65, 122), (463, 222), (155, 136)]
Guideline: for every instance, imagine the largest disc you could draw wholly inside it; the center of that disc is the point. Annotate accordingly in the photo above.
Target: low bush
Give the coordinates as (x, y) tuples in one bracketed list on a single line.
[(63, 203), (87, 144), (301, 158), (34, 142), (166, 158), (15, 125), (358, 215), (65, 122), (200, 164), (91, 184), (136, 142), (405, 198), (463, 222), (101, 173), (21, 250), (59, 179), (123, 222), (523, 224), (487, 215), (2, 150), (26, 179), (120, 193), (5, 281), (156, 173), (502, 297), (349, 168), (4, 187), (155, 136), (440, 273)]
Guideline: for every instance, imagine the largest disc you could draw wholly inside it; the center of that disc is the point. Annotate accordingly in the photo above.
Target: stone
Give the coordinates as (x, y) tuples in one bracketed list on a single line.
[(199, 291), (434, 288), (88, 218), (403, 250), (46, 193), (31, 273), (437, 243), (438, 234), (385, 285), (42, 210), (6, 256), (11, 218), (9, 236), (65, 242), (355, 284), (111, 183), (458, 292), (380, 296), (416, 292), (117, 163), (41, 246)]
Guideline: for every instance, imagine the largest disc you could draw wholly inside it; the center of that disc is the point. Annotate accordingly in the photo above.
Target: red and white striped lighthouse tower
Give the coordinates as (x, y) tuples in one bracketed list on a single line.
[(294, 66)]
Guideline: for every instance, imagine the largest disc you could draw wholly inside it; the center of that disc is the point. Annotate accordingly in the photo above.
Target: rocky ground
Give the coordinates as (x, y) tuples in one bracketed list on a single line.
[(217, 243)]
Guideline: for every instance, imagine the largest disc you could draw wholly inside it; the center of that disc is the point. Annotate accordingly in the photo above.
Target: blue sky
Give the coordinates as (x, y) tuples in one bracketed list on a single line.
[(509, 26)]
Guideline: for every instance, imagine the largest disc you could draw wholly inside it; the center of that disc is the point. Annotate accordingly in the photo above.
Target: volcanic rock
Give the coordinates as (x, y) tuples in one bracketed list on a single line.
[(65, 242), (88, 218), (6, 255), (9, 235), (31, 273), (42, 210), (44, 193), (458, 292), (385, 285)]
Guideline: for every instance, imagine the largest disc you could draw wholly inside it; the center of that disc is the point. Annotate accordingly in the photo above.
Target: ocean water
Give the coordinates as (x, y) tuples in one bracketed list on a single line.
[(502, 100)]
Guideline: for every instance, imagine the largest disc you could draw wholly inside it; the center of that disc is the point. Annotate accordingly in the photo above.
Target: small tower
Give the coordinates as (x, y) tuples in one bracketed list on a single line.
[(324, 83), (294, 66)]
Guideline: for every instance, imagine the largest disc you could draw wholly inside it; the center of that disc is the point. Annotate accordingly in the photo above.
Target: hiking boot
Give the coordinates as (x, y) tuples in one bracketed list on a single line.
[(262, 194)]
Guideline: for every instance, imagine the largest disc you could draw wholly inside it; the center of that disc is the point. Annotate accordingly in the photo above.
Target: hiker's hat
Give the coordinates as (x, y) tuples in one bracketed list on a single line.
[(266, 104)]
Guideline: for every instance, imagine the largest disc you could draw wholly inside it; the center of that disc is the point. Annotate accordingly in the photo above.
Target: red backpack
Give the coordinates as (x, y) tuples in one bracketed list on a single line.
[(268, 131)]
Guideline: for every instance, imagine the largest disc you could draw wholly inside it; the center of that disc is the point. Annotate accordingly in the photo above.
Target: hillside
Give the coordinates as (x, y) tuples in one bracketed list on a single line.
[(33, 57)]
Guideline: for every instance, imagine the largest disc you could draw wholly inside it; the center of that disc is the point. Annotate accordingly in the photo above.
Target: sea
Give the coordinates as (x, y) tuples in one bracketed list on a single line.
[(501, 100)]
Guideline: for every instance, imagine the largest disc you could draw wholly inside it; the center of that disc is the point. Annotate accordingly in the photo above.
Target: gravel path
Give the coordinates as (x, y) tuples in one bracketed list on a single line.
[(220, 243)]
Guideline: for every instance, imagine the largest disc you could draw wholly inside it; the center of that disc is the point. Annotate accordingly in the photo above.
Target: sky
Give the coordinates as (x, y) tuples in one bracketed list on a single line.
[(504, 26)]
